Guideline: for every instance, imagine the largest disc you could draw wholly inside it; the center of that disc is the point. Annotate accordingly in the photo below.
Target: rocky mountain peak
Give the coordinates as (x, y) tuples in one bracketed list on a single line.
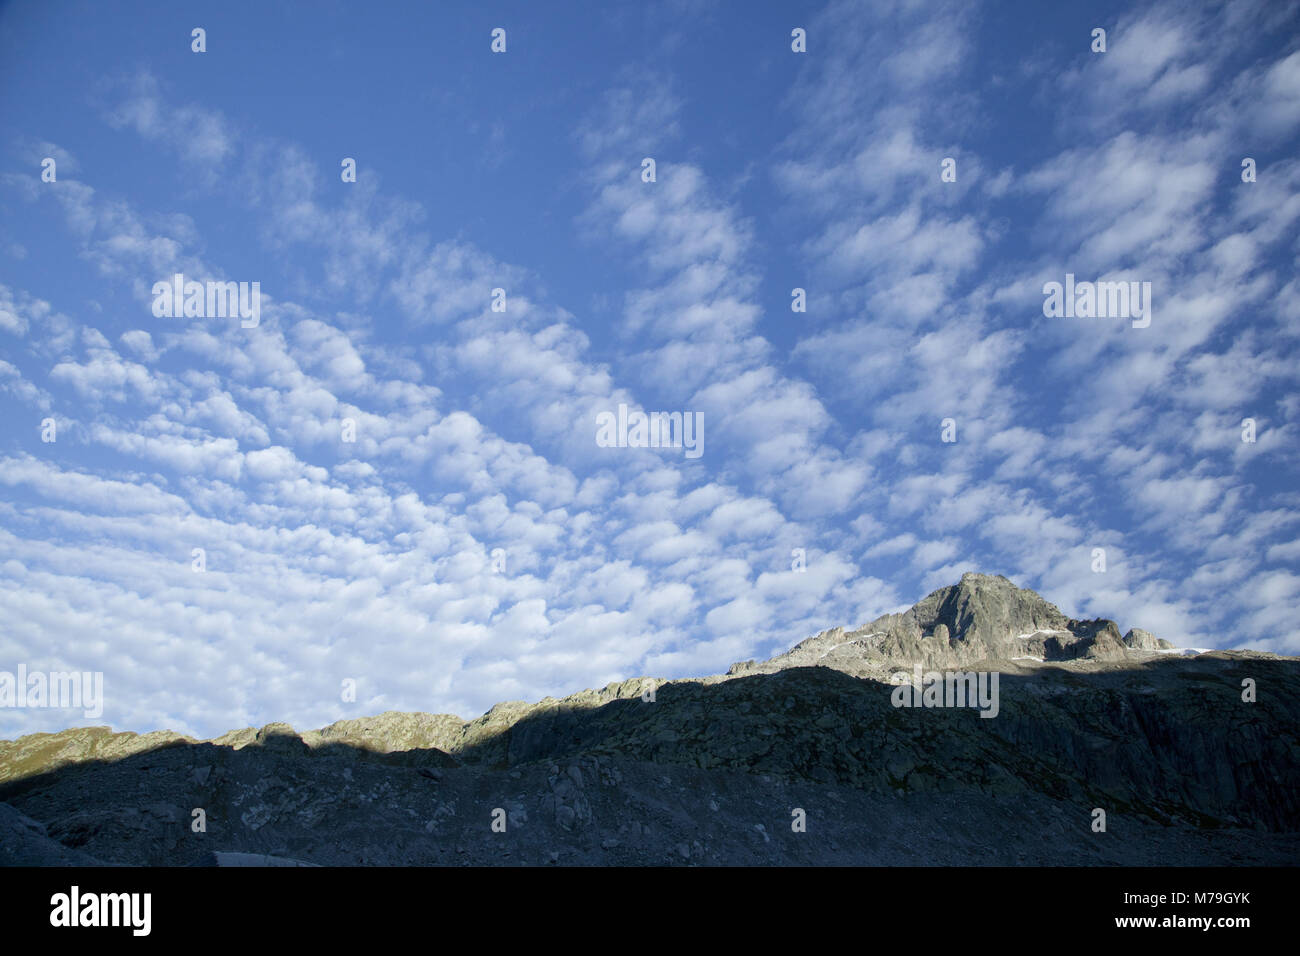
[(984, 609), (983, 617)]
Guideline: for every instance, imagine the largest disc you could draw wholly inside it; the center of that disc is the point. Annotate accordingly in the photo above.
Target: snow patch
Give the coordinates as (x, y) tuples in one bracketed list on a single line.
[(856, 640)]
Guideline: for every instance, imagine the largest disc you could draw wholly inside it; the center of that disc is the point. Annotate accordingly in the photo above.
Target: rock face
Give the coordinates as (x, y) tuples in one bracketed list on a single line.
[(1140, 640), (984, 617), (711, 770), (25, 842), (218, 859)]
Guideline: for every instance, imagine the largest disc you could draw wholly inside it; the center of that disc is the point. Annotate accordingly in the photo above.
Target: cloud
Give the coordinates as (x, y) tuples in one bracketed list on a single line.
[(473, 543)]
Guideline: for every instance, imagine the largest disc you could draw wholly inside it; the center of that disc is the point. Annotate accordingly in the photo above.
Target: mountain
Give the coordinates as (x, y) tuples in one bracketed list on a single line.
[(983, 617), (809, 757)]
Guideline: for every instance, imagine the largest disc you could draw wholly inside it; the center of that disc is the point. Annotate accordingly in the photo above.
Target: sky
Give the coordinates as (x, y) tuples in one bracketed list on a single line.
[(391, 480)]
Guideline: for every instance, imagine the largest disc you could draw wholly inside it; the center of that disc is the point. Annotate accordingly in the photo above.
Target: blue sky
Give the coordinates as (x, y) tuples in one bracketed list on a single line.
[(372, 560)]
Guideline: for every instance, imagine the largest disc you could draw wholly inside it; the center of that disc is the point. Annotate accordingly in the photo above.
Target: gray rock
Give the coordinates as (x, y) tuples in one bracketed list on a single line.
[(222, 859), (24, 842), (1140, 640)]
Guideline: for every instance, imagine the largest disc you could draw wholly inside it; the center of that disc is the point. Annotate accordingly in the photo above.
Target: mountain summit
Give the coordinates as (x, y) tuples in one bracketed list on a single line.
[(984, 617)]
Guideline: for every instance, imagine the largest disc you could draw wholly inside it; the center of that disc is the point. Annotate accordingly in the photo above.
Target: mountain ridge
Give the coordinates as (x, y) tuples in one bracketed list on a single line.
[(1194, 760), (958, 625)]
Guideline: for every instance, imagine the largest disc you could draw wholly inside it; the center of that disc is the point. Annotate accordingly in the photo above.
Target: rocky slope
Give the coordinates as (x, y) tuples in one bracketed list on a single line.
[(983, 617), (715, 770)]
